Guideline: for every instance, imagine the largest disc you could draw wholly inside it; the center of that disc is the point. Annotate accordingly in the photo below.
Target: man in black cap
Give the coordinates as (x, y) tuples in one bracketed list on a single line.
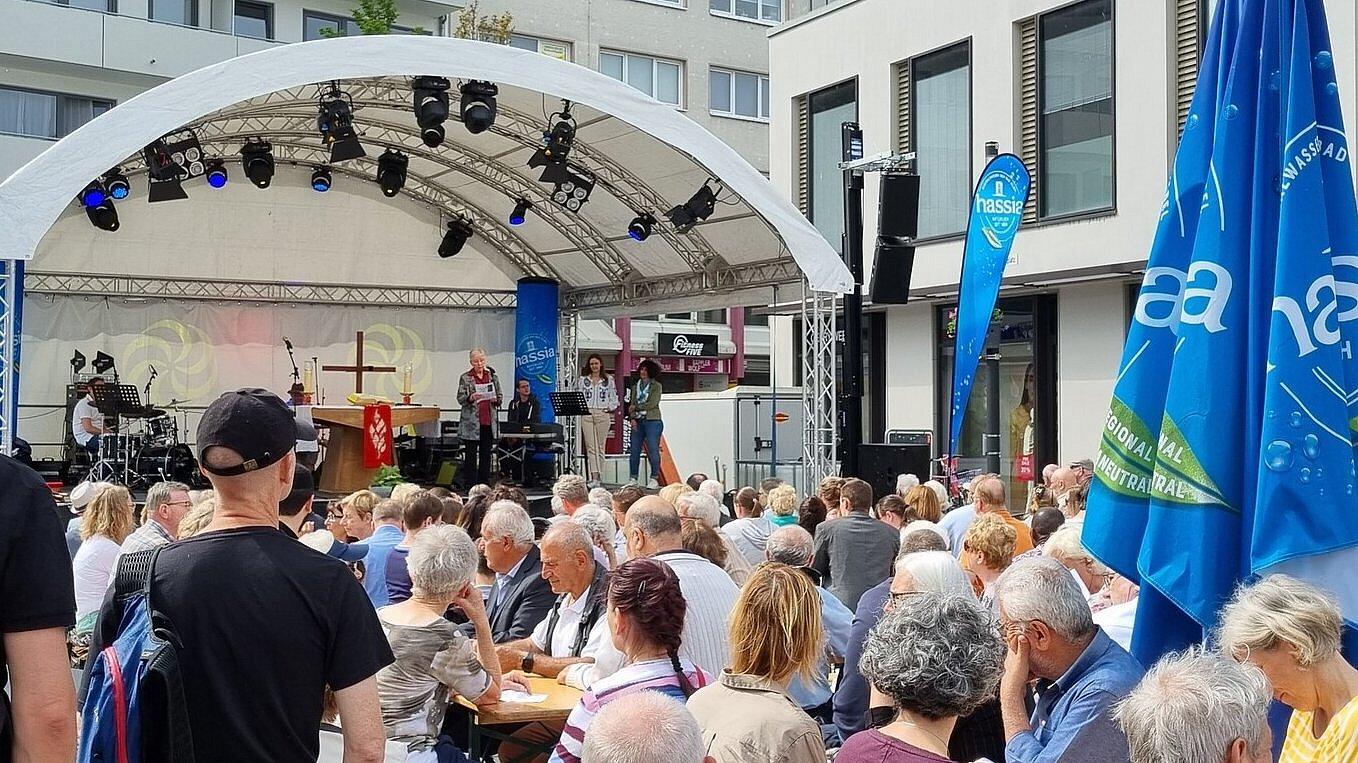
[(265, 622)]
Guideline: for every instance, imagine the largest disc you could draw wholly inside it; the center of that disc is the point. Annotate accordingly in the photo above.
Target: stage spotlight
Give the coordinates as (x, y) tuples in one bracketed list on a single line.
[(520, 211), (336, 125), (431, 108), (478, 105), (391, 172), (320, 179), (459, 231), (102, 215), (93, 195), (557, 141), (116, 184), (256, 158), (216, 174), (166, 171), (640, 227), (700, 207), (573, 190)]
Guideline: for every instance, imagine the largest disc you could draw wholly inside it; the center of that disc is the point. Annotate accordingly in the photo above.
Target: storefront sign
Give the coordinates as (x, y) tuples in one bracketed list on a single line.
[(686, 345), (694, 365)]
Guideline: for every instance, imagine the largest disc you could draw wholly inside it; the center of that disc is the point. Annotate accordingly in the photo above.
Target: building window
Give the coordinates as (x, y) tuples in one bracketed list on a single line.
[(254, 19), (339, 26), (103, 6), (551, 48), (770, 11), (182, 12), (940, 136), (739, 94), (36, 114), (1075, 148), (712, 316), (828, 109), (656, 77)]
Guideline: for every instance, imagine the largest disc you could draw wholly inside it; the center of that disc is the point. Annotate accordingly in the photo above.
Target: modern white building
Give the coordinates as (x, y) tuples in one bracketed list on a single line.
[(1091, 94), (65, 62)]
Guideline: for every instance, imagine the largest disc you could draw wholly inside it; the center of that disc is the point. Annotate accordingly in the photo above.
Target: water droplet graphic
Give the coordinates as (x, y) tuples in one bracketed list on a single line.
[(1332, 88), (1278, 455), (1348, 490), (1304, 475), (1319, 474), (1232, 111), (1310, 445), (1192, 121), (1295, 419), (1324, 59), (1273, 414)]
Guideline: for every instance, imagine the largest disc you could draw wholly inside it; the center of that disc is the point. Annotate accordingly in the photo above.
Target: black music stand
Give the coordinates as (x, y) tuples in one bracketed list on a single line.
[(117, 399), (569, 403)]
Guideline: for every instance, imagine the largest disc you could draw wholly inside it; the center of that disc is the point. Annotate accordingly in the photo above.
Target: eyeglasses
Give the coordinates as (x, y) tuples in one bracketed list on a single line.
[(178, 503)]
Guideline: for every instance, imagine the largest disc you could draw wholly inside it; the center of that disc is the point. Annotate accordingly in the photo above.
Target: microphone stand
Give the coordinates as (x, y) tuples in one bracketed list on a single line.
[(295, 391)]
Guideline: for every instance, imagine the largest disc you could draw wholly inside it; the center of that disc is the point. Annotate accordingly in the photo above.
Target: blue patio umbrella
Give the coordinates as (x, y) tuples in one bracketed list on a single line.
[(1228, 449)]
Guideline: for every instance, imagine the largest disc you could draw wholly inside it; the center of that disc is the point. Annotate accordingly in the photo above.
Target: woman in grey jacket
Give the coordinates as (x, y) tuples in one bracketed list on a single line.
[(643, 408), (479, 393)]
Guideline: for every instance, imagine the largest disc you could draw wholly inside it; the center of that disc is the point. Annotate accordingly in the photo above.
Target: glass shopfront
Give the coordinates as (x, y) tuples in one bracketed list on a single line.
[(1010, 420)]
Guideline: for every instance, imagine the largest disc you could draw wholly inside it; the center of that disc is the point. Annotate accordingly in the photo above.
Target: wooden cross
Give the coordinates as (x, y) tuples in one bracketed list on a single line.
[(358, 369)]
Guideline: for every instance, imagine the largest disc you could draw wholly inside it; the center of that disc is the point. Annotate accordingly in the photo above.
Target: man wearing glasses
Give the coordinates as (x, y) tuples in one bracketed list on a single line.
[(166, 504)]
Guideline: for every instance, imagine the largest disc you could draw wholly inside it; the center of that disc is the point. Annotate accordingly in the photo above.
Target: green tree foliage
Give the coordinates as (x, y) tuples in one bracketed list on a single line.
[(491, 27)]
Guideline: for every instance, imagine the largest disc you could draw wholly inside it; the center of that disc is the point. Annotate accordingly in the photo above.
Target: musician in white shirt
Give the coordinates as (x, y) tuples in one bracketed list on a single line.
[(87, 423), (601, 398)]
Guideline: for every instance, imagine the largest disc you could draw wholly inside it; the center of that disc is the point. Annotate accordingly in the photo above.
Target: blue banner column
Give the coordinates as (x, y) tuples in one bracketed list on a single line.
[(12, 282), (536, 319)]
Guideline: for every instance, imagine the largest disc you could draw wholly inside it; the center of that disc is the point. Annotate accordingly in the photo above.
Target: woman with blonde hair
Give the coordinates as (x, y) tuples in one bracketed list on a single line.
[(108, 520), (989, 546), (922, 503), (672, 491), (776, 633), (199, 517), (1291, 631), (783, 506)]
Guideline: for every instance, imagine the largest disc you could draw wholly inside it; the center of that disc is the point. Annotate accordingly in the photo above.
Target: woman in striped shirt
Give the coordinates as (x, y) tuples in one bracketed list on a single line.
[(1291, 631), (645, 616)]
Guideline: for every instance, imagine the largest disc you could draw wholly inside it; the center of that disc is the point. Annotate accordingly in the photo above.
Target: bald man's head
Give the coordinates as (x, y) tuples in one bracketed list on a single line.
[(652, 526), (1063, 480), (990, 494)]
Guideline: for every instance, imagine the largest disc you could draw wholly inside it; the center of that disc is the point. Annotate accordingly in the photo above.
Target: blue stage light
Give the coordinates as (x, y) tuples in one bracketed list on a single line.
[(320, 179), (520, 212), (93, 195), (216, 174)]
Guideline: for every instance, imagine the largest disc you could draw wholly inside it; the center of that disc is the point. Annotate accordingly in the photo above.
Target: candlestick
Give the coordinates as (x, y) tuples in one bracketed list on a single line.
[(406, 388)]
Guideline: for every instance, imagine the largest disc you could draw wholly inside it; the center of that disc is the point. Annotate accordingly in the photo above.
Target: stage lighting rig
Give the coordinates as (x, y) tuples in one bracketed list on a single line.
[(256, 158), (520, 212), (640, 227), (459, 231), (320, 179), (573, 191), (431, 108), (392, 168), (116, 184), (478, 105), (557, 141), (102, 214), (216, 173), (336, 124), (169, 163), (699, 207), (93, 194)]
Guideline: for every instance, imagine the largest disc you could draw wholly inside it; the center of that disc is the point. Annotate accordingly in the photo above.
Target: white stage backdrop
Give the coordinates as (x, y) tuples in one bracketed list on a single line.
[(200, 349)]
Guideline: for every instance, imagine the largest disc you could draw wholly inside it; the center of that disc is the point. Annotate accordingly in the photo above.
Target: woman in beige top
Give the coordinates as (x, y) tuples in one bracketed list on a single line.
[(775, 633)]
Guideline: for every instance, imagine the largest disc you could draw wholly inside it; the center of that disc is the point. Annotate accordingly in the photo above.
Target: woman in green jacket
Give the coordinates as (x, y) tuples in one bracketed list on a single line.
[(643, 408)]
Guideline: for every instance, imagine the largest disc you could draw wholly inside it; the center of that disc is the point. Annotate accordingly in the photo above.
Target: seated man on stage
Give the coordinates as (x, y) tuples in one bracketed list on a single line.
[(87, 423), (525, 407)]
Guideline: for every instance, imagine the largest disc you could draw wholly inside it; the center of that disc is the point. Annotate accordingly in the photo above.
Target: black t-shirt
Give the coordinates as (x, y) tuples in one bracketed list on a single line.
[(36, 588), (266, 623)]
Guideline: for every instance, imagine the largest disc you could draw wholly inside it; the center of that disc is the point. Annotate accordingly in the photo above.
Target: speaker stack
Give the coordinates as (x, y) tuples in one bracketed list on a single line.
[(905, 452), (897, 226)]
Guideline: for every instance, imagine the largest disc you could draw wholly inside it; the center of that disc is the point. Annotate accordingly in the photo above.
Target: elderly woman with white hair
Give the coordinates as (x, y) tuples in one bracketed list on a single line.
[(601, 528), (1291, 631), (433, 658), (1065, 546), (478, 426), (701, 506), (938, 657), (1198, 707)]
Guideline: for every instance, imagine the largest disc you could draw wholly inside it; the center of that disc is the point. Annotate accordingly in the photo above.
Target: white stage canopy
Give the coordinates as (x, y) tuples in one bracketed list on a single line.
[(645, 156)]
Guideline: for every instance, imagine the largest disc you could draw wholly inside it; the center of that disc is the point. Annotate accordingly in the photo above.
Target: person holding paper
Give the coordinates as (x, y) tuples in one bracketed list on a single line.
[(479, 393)]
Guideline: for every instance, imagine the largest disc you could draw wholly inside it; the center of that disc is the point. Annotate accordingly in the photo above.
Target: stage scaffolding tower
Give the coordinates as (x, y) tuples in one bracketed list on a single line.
[(819, 407), (567, 369)]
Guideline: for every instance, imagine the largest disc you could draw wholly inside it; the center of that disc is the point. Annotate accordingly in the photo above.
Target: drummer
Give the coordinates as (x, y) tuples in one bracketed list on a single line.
[(87, 423)]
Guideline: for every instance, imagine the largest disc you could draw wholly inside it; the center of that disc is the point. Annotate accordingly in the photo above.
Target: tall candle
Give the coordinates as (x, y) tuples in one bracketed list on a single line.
[(308, 377), (406, 389)]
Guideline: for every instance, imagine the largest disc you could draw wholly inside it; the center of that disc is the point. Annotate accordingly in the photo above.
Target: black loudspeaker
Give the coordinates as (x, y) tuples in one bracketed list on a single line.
[(891, 266), (879, 465), (898, 206)]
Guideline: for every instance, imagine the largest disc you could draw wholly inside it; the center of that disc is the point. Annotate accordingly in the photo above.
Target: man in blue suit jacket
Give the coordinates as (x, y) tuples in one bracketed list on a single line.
[(521, 597)]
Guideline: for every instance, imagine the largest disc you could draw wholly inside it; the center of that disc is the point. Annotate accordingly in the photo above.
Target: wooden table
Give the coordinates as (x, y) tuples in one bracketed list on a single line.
[(556, 708), (344, 471)]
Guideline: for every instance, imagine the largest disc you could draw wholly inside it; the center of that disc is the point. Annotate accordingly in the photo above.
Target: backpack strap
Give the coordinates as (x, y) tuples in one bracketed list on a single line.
[(134, 573)]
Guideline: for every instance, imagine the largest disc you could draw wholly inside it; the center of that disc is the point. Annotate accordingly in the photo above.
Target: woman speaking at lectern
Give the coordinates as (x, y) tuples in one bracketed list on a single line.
[(479, 394)]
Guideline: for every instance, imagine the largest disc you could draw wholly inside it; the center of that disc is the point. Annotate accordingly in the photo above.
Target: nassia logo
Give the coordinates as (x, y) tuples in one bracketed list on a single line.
[(535, 355), (999, 205), (681, 346)]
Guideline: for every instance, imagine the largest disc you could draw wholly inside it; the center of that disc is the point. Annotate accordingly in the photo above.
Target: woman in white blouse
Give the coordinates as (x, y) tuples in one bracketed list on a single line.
[(107, 522), (601, 397)]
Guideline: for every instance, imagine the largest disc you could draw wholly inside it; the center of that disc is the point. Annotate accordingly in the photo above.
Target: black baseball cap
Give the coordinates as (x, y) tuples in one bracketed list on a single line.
[(255, 423), (303, 490)]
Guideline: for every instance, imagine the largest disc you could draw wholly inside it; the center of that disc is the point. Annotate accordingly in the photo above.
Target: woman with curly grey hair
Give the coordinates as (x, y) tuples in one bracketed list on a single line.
[(938, 657)]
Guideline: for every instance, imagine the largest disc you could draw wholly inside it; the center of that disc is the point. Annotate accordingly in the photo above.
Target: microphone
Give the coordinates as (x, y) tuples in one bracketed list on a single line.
[(153, 372), (288, 343)]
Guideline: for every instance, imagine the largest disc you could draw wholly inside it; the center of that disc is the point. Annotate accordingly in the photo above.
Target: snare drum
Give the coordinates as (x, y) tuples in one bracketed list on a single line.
[(117, 447), (162, 432)]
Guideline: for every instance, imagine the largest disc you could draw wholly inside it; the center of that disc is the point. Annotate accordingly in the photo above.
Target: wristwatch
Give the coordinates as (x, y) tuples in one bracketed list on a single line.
[(526, 664)]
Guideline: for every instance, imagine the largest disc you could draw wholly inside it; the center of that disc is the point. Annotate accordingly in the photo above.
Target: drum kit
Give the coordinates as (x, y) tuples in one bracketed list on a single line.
[(146, 449)]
